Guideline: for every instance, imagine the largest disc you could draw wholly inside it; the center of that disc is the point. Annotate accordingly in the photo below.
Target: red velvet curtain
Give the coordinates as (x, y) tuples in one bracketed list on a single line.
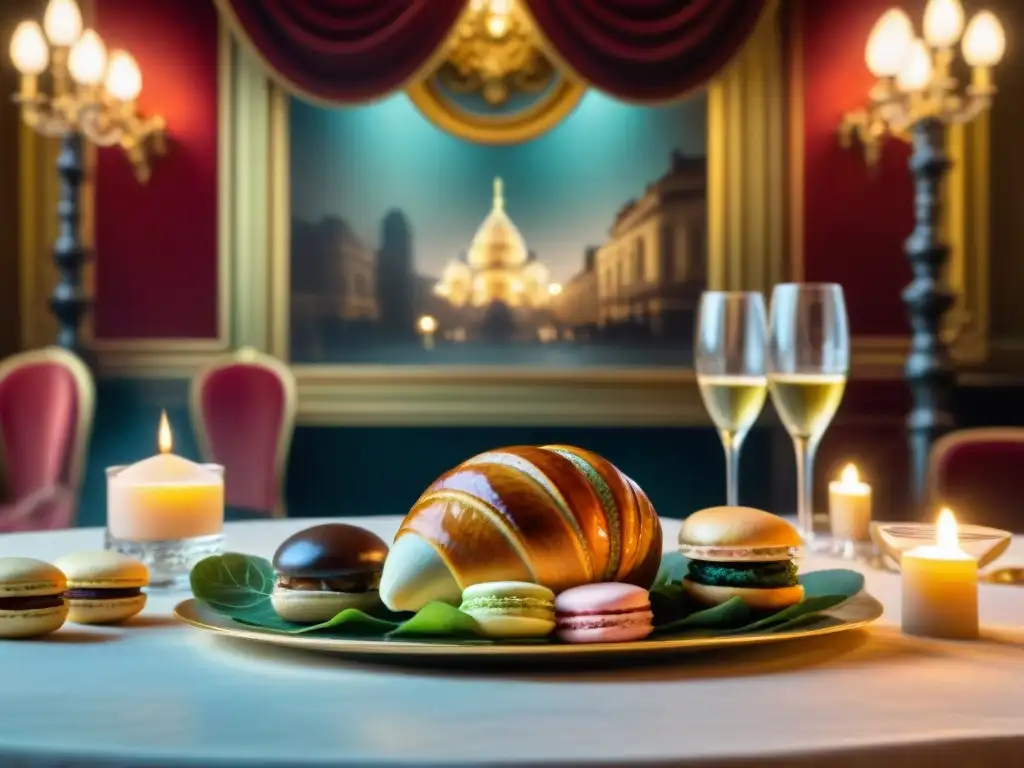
[(348, 51), (646, 50), (344, 51)]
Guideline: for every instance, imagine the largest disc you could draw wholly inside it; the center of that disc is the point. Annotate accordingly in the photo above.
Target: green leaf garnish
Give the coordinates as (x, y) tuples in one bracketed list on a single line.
[(237, 586), (780, 619), (732, 613), (438, 620)]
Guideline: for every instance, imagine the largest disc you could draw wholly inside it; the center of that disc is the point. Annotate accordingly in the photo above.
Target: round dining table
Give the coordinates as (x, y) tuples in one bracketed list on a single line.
[(153, 692)]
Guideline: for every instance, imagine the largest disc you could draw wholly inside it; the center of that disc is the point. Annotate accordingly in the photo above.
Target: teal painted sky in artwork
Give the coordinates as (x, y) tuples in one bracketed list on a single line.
[(562, 189)]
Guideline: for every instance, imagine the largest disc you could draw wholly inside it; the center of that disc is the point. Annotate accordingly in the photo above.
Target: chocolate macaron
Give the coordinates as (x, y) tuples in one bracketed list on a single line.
[(31, 597), (103, 587), (325, 569)]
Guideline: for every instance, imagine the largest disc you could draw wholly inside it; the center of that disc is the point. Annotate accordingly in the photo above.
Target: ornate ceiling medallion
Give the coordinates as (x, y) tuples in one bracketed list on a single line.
[(497, 85)]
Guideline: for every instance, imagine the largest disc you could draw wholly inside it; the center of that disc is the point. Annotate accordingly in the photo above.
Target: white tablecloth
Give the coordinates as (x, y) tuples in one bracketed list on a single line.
[(155, 693)]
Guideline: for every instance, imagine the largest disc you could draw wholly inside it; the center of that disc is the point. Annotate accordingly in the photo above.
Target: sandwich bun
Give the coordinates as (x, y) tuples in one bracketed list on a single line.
[(772, 599), (705, 535)]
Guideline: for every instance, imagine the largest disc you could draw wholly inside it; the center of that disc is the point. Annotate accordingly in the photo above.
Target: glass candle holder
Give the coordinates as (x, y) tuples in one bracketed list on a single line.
[(169, 524)]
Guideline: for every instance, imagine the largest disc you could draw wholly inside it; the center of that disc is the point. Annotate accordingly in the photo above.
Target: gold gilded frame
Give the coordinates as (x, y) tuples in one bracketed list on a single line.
[(536, 121), (746, 140)]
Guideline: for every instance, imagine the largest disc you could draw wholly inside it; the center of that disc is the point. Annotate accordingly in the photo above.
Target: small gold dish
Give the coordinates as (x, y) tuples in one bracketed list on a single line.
[(1009, 576)]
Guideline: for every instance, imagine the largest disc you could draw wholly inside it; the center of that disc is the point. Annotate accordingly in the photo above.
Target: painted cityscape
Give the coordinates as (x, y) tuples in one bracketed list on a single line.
[(584, 247)]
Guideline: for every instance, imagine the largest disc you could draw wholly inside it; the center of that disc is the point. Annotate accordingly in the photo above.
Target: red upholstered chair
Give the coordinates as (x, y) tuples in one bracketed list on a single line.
[(243, 414), (979, 474), (47, 404)]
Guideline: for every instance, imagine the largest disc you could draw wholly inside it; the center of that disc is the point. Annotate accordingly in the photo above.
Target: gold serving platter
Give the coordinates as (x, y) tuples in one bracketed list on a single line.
[(858, 611)]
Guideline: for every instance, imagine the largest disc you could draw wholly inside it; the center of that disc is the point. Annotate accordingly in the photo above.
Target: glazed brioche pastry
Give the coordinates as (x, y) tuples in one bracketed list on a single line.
[(741, 552), (552, 515)]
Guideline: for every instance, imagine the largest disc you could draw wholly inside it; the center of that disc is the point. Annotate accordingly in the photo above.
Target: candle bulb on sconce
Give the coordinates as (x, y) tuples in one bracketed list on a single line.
[(915, 98), (124, 80), (62, 21), (30, 56), (87, 60), (943, 23), (983, 47)]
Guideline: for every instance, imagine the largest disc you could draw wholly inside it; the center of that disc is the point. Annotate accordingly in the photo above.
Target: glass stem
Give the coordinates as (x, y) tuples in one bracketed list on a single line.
[(804, 486), (732, 441)]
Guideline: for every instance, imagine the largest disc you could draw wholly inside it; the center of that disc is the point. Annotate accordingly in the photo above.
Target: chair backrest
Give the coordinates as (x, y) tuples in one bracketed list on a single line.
[(978, 473), (47, 404), (243, 413)]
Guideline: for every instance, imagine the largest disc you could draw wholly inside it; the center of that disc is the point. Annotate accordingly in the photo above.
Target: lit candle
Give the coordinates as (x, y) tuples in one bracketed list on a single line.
[(849, 506), (165, 497), (940, 587)]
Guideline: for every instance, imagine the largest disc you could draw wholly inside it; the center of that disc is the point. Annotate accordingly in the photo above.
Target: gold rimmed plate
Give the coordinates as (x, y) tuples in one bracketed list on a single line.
[(858, 611)]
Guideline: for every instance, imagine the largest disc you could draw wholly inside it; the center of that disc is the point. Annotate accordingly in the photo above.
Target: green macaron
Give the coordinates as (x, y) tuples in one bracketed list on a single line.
[(510, 608)]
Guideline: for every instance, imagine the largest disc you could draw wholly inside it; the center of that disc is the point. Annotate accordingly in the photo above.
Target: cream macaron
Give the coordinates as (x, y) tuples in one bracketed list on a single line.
[(31, 597), (103, 587)]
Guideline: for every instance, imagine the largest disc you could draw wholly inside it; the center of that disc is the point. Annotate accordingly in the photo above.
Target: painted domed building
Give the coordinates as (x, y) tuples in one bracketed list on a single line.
[(498, 268)]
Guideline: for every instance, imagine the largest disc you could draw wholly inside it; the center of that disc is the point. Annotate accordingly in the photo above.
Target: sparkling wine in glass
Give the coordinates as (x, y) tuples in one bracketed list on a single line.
[(730, 365), (808, 361)]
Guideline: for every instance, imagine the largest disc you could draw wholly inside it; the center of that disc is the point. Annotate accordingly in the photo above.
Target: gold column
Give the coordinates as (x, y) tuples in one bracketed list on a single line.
[(746, 176)]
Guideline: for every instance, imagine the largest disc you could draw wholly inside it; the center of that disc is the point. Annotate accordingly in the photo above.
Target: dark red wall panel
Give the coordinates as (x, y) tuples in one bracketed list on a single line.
[(156, 245), (855, 218)]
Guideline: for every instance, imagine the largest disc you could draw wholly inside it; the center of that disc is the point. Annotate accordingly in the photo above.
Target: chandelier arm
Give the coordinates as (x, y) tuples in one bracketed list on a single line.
[(970, 108), (99, 127), (38, 115)]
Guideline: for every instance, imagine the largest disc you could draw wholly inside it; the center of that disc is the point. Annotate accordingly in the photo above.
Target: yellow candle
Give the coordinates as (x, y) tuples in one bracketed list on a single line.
[(849, 506), (940, 587), (165, 497)]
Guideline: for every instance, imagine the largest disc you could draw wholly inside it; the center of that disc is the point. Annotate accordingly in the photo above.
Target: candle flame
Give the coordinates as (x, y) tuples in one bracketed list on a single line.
[(164, 440), (849, 475), (946, 537)]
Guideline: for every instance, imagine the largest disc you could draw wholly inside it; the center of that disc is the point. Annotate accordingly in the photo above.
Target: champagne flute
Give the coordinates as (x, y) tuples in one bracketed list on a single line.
[(730, 365), (808, 360)]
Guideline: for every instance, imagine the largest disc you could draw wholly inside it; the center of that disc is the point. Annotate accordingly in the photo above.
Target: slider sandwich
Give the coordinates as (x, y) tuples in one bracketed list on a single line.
[(741, 552)]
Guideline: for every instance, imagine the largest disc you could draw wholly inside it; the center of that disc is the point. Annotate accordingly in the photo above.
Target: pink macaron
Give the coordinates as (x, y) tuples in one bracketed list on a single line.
[(603, 613)]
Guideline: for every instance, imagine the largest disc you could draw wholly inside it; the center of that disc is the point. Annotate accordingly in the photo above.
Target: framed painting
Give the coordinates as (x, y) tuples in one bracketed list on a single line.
[(428, 259)]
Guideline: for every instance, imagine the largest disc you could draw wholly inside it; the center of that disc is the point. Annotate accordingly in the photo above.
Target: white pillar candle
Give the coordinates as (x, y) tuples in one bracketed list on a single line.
[(849, 506), (940, 587), (165, 497)]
